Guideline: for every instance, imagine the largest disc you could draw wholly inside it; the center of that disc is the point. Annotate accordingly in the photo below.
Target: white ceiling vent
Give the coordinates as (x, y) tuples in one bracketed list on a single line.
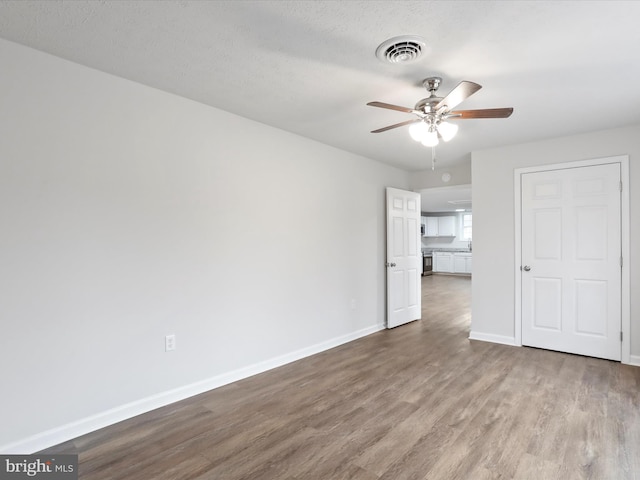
[(404, 49)]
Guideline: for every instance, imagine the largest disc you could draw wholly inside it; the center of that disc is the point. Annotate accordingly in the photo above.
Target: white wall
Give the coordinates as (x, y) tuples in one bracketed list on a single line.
[(128, 214), (493, 281), (460, 175)]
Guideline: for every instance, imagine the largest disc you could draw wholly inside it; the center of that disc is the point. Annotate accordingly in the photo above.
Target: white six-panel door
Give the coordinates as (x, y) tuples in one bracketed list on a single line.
[(571, 249), (404, 254)]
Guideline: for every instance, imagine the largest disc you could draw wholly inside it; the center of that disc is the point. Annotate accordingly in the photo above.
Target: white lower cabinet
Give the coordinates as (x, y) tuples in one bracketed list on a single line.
[(447, 262), (443, 262), (462, 263)]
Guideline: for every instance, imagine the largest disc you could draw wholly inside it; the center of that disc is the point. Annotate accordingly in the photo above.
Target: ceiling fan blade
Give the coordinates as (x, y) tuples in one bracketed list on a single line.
[(391, 107), (462, 91), (401, 124), (484, 113)]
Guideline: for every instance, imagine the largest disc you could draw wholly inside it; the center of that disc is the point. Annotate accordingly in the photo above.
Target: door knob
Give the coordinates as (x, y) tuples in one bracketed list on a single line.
[(391, 264), (526, 268)]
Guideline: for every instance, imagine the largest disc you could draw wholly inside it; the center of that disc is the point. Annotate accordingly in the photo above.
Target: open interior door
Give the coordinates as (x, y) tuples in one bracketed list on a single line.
[(404, 254)]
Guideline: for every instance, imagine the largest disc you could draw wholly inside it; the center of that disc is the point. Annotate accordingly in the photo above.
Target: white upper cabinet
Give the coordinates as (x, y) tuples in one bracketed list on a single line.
[(446, 226), (431, 227), (440, 226)]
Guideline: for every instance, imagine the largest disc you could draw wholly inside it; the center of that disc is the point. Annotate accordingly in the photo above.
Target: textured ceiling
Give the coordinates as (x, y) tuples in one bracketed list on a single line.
[(309, 67)]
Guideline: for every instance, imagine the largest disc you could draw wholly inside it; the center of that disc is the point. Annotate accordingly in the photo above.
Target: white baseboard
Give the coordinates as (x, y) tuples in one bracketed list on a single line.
[(634, 360), (86, 425), (490, 337)]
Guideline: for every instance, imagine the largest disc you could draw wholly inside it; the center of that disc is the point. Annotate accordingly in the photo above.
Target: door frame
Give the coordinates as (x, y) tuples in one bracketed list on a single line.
[(623, 161)]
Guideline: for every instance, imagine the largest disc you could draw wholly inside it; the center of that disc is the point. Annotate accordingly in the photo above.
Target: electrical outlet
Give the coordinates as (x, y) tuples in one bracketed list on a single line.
[(169, 343)]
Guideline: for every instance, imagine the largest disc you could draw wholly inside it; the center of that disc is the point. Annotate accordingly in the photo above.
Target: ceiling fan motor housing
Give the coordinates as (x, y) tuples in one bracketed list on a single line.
[(427, 105)]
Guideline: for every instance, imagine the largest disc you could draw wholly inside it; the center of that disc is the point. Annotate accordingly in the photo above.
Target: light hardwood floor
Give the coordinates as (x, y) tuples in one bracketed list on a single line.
[(417, 402)]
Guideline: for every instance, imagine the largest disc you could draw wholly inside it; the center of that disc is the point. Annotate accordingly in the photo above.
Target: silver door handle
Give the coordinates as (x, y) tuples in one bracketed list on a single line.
[(391, 264), (526, 268)]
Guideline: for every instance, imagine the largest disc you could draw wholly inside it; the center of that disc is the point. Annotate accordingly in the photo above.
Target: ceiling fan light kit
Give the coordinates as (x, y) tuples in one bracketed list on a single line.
[(447, 130), (430, 139), (418, 130)]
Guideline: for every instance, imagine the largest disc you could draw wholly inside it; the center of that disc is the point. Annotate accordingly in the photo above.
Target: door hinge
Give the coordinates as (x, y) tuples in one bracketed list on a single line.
[(621, 261), (620, 186), (620, 336)]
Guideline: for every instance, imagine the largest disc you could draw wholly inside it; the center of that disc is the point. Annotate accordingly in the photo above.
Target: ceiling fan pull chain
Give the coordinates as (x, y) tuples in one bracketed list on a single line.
[(433, 158)]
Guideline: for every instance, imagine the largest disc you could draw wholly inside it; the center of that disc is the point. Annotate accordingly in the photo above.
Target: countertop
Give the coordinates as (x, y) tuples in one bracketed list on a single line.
[(450, 250)]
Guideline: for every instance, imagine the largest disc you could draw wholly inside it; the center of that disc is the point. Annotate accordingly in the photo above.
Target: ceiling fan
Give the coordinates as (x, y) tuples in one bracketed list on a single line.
[(433, 112)]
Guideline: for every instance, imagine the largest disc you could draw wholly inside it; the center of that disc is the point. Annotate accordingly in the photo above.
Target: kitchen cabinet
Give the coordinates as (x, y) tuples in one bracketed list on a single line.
[(443, 262), (447, 226), (431, 226), (452, 262), (462, 262), (440, 226)]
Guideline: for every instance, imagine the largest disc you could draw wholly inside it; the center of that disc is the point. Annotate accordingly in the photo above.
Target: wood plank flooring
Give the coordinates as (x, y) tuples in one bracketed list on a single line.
[(417, 402)]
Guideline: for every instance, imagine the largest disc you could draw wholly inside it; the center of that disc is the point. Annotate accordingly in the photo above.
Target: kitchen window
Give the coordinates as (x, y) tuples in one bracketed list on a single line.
[(466, 226)]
